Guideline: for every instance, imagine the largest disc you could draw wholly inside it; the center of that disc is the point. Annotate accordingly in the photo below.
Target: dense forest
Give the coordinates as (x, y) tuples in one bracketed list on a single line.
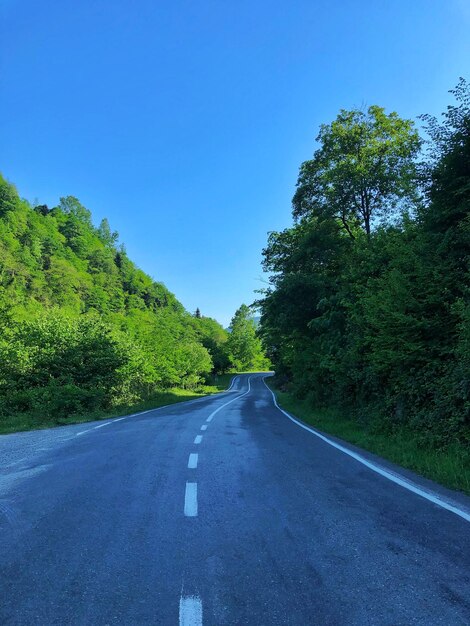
[(83, 329), (368, 311)]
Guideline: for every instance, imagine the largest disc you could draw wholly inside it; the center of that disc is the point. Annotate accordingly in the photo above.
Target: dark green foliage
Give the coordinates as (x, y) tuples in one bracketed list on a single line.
[(374, 319), (363, 172), (450, 465), (82, 328)]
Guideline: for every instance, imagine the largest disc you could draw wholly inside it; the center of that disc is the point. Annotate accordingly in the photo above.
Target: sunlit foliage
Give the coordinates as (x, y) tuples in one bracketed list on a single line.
[(368, 308)]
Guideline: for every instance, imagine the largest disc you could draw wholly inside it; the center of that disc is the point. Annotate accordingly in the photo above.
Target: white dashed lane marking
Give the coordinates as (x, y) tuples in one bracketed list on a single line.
[(192, 462), (190, 611), (190, 500)]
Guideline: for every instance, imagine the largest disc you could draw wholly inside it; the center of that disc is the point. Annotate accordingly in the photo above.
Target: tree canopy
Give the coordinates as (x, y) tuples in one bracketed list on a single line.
[(244, 346), (363, 171), (369, 306)]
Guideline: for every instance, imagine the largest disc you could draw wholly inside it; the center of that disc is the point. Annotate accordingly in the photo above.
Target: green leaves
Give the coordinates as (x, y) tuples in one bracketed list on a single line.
[(82, 328), (245, 349), (363, 173), (80, 356), (214, 339), (368, 308)]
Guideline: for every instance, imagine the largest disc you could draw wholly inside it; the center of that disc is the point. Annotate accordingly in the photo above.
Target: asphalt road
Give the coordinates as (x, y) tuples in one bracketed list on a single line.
[(222, 511)]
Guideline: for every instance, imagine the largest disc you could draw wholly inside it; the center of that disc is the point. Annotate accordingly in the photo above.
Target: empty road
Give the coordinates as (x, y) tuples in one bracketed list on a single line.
[(222, 511)]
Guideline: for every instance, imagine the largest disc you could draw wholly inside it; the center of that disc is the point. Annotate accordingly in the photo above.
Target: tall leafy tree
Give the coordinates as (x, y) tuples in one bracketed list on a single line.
[(107, 236), (244, 346), (363, 171), (215, 339), (368, 308)]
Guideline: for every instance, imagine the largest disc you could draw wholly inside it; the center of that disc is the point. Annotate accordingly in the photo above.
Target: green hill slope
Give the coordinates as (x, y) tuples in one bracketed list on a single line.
[(82, 328)]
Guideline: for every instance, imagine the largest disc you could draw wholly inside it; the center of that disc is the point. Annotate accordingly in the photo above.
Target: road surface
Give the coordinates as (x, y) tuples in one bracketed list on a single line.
[(222, 511)]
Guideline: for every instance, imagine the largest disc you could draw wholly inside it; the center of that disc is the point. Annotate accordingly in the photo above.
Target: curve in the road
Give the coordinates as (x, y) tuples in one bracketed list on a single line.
[(398, 480)]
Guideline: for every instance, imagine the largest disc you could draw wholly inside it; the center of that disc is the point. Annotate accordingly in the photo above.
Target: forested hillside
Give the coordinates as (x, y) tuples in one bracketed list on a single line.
[(368, 312), (82, 328)]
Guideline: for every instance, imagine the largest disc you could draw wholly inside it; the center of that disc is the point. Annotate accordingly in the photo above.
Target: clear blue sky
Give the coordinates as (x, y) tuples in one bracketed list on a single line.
[(184, 122)]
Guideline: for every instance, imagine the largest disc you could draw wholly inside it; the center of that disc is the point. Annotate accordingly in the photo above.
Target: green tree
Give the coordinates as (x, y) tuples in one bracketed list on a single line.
[(106, 235), (373, 316), (244, 346), (363, 171), (215, 339), (81, 326), (60, 363)]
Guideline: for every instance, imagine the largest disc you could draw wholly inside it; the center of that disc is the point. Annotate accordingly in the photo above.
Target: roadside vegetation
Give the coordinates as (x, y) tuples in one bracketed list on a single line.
[(368, 311), (16, 422), (84, 332), (448, 465)]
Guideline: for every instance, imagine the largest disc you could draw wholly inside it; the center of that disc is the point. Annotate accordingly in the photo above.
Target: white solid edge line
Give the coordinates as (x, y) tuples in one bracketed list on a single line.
[(101, 425), (233, 382), (192, 461), (190, 611), (406, 484), (190, 500), (198, 439)]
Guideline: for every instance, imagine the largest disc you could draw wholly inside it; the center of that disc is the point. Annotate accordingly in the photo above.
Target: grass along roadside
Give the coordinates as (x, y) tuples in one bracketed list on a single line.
[(25, 421), (449, 467)]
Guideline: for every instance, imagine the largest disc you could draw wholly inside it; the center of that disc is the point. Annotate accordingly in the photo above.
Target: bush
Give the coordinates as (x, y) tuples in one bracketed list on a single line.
[(58, 365)]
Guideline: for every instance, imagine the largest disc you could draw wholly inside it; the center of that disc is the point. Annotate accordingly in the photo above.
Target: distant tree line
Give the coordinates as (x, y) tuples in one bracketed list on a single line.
[(369, 305), (81, 327)]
